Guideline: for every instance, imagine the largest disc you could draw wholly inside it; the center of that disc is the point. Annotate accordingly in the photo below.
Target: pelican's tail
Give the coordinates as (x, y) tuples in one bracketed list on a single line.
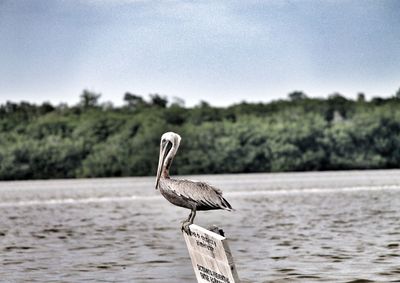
[(225, 204)]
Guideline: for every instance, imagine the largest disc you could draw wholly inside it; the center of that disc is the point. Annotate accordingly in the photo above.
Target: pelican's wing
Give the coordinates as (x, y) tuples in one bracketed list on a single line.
[(206, 196)]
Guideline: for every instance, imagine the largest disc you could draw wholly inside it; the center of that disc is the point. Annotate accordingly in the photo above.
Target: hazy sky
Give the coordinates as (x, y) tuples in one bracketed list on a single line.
[(219, 51)]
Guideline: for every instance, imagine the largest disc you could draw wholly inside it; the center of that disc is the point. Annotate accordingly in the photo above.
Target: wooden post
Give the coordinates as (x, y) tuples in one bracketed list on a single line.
[(211, 257)]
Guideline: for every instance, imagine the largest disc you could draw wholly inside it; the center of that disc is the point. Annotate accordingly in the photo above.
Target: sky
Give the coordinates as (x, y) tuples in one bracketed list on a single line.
[(222, 52)]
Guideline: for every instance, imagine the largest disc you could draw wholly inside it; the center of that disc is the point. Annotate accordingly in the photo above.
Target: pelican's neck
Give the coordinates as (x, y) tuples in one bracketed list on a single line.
[(168, 161), (165, 173)]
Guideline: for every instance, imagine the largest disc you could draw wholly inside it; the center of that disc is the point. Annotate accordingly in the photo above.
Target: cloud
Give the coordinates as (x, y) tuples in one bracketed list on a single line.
[(112, 2)]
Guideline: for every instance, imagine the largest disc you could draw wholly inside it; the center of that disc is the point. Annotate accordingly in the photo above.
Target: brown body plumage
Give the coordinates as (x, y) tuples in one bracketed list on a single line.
[(189, 194)]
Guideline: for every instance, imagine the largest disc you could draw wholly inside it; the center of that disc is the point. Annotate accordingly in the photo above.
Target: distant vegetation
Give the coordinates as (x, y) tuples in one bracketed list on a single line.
[(98, 140)]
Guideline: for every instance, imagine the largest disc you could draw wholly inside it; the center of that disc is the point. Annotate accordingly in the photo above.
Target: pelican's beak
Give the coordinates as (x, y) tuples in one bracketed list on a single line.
[(163, 154)]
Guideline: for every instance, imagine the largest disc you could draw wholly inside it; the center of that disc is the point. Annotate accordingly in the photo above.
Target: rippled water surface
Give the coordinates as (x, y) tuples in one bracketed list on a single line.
[(295, 227)]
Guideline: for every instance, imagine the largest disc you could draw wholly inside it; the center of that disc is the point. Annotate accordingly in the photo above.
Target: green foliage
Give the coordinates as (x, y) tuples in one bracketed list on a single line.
[(134, 101), (158, 100), (40, 159), (89, 99), (297, 95), (299, 134), (397, 94)]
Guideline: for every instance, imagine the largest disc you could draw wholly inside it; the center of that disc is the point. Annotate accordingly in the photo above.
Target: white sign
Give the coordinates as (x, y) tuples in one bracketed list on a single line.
[(211, 257)]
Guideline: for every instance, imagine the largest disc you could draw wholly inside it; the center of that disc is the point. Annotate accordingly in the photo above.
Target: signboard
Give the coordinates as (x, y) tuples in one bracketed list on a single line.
[(211, 257)]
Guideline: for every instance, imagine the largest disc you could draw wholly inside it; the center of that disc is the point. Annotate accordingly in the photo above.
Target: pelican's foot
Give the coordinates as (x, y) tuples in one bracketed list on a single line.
[(185, 227)]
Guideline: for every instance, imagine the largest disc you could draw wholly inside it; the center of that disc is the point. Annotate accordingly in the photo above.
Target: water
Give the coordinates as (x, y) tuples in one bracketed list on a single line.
[(294, 227)]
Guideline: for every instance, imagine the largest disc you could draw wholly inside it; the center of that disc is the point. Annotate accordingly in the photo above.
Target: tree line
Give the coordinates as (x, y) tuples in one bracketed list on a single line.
[(93, 139)]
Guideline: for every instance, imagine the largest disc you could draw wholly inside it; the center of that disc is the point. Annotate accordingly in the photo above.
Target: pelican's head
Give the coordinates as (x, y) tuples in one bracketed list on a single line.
[(168, 146)]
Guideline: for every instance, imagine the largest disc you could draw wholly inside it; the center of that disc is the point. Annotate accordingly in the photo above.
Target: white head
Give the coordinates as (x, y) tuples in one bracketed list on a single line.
[(169, 144)]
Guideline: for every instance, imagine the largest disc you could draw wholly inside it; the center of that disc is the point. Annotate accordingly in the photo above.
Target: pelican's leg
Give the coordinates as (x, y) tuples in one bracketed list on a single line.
[(189, 221), (184, 222), (192, 215)]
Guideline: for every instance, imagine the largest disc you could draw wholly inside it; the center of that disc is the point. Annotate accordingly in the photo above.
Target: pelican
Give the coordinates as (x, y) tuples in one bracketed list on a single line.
[(184, 193)]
